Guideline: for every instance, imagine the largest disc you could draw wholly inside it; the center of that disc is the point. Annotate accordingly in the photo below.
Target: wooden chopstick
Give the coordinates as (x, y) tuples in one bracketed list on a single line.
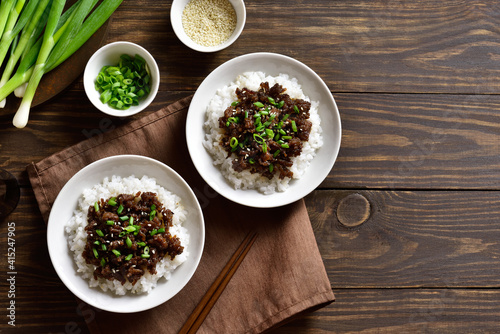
[(207, 302)]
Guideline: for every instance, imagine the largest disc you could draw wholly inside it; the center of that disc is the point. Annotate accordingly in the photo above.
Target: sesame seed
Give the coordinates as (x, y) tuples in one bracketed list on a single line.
[(209, 22)]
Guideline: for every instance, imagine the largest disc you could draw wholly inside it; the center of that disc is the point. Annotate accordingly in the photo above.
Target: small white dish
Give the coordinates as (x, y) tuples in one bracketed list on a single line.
[(65, 204), (312, 86), (110, 55), (176, 20)]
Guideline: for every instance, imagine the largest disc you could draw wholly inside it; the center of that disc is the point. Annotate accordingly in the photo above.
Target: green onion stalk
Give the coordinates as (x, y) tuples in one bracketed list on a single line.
[(27, 39), (59, 41), (5, 8)]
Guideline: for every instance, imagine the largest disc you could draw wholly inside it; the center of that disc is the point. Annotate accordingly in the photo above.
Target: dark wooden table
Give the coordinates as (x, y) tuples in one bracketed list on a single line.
[(407, 221)]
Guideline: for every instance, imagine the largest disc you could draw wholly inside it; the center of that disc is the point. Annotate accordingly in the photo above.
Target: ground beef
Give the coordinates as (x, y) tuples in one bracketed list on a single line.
[(127, 235), (264, 129)]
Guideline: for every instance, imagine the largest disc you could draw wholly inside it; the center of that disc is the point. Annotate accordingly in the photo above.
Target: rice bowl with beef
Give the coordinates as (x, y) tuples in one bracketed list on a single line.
[(77, 236), (245, 179)]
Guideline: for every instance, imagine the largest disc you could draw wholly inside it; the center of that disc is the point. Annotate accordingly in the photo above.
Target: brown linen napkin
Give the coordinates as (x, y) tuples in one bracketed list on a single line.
[(283, 274)]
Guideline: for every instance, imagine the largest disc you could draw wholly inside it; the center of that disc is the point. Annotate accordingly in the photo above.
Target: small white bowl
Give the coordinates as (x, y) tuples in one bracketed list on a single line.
[(176, 19), (110, 55)]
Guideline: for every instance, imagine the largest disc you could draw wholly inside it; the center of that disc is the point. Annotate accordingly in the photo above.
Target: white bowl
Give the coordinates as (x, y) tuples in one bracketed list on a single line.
[(110, 55), (65, 204), (312, 86), (176, 20)]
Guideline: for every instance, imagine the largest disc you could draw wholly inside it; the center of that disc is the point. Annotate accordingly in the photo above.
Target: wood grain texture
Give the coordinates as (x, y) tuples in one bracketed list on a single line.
[(355, 46), (440, 239)]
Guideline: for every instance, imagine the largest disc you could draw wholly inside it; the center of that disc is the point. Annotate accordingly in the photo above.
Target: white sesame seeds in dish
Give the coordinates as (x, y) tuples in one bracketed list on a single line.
[(209, 22)]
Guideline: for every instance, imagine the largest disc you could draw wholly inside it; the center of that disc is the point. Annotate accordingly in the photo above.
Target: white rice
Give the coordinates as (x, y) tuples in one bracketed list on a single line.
[(213, 134), (77, 236)]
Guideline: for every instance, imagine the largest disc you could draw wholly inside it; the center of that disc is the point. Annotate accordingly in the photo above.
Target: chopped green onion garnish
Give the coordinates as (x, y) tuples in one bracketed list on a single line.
[(161, 230), (97, 242), (120, 209), (270, 133), (124, 218), (152, 214), (96, 206), (234, 104), (286, 137), (264, 147), (110, 222), (96, 254), (271, 168), (130, 228), (99, 233), (103, 262), (285, 145), (258, 104), (285, 117), (296, 109), (233, 142), (130, 75), (276, 153), (128, 242), (129, 257), (103, 247), (258, 138), (153, 207), (271, 100), (112, 201), (280, 104), (294, 126), (153, 232), (251, 161), (141, 244), (116, 252)]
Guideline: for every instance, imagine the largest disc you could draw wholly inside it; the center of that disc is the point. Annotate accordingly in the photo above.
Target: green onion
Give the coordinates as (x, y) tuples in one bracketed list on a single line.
[(116, 252), (152, 214), (276, 153), (233, 142), (161, 230), (128, 242), (294, 126), (129, 75), (103, 246), (103, 262), (285, 145), (129, 257), (96, 206), (258, 104), (296, 109), (258, 138), (130, 228), (251, 161), (124, 218), (246, 113), (153, 207), (234, 104), (286, 137), (264, 112), (72, 32), (131, 221), (153, 232), (285, 117), (112, 201), (280, 104), (96, 254), (120, 209), (264, 147), (110, 222), (146, 252), (271, 100), (99, 233), (141, 244), (97, 242), (271, 168), (270, 133)]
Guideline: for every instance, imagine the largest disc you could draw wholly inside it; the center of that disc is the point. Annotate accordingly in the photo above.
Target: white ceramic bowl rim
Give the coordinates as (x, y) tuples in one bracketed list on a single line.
[(176, 20), (313, 87), (66, 203), (110, 54)]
